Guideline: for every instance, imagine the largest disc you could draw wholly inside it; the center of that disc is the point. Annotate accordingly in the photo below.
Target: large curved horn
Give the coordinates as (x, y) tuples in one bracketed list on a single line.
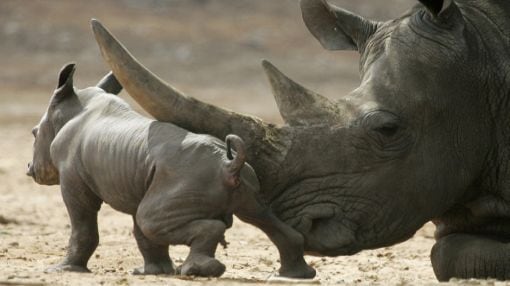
[(167, 104), (298, 105)]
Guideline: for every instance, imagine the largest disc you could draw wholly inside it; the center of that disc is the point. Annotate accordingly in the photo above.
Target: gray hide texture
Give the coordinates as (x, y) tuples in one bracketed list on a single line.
[(424, 137), (179, 187)]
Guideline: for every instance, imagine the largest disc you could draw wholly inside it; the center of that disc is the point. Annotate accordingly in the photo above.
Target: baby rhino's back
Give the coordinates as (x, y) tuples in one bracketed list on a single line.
[(114, 155), (188, 182)]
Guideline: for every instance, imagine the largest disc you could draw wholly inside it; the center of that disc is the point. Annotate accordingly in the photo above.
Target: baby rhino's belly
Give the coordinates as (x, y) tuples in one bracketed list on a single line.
[(173, 210), (124, 199)]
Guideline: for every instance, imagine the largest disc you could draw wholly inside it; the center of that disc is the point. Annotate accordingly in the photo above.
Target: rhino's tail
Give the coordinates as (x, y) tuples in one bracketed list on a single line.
[(235, 163)]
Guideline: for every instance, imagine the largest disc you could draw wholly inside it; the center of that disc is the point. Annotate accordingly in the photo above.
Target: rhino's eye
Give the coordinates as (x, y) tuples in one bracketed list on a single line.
[(35, 130), (388, 129), (384, 123)]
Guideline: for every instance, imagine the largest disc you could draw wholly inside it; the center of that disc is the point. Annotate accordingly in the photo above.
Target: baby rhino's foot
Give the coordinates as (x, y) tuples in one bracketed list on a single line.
[(303, 271), (154, 268), (67, 267), (202, 266)]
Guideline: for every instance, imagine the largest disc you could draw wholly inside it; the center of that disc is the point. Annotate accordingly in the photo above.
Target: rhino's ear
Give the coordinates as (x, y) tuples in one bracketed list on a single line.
[(336, 28), (65, 85), (435, 7), (441, 9)]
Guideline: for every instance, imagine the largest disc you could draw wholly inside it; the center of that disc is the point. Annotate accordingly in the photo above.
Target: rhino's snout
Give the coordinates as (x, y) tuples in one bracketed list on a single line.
[(30, 170)]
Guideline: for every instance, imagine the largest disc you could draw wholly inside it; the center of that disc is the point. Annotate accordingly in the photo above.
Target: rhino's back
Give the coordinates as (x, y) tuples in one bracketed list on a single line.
[(489, 15), (489, 21), (115, 158), (178, 149), (105, 146)]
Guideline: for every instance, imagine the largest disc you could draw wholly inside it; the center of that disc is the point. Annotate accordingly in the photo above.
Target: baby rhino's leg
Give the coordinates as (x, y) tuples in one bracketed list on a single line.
[(166, 220), (155, 256), (203, 237), (82, 206)]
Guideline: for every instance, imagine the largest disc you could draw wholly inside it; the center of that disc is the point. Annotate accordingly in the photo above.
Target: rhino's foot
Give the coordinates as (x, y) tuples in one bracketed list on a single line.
[(469, 256), (155, 269), (302, 272), (67, 268), (202, 266)]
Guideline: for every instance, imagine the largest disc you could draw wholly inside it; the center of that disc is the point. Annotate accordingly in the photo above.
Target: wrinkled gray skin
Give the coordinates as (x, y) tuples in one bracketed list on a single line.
[(424, 137), (179, 187)]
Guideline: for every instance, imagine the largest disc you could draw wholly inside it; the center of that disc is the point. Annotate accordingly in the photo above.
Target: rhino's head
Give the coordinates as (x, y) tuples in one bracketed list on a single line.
[(370, 169), (63, 106), (42, 168)]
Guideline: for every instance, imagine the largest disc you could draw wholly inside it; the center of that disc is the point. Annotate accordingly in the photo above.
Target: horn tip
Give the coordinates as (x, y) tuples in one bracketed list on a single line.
[(97, 27), (94, 22), (270, 69), (273, 73), (267, 65)]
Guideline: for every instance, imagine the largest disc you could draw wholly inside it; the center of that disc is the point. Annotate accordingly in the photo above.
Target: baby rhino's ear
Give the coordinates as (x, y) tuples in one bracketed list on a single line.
[(65, 85), (110, 84)]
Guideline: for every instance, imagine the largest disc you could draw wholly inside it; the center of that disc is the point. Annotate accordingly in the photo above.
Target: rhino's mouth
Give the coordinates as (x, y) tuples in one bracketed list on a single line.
[(329, 213), (30, 170), (42, 176)]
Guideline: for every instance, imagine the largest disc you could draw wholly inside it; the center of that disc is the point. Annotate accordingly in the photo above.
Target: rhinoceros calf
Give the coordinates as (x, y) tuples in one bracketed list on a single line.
[(180, 187)]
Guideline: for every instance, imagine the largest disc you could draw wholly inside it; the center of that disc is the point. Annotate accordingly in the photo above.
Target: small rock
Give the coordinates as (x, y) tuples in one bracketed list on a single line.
[(4, 220), (266, 261)]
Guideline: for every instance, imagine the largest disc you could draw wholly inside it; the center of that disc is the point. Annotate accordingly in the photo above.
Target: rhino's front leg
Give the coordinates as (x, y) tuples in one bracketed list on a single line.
[(289, 242), (155, 256), (471, 256), (82, 206)]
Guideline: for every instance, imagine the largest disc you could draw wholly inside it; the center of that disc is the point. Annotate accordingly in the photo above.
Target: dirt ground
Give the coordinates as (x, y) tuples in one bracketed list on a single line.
[(211, 49)]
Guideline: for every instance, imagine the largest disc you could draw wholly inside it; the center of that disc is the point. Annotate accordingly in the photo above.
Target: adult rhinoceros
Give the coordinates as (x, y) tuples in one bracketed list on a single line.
[(426, 136)]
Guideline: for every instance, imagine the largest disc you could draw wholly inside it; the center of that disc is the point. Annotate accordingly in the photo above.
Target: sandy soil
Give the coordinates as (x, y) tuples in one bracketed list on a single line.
[(34, 230), (212, 49)]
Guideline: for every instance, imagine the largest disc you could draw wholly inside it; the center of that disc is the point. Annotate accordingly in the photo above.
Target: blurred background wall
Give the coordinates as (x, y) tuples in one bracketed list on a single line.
[(210, 49)]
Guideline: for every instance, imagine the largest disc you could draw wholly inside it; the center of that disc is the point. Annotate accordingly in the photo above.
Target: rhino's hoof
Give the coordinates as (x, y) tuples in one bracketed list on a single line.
[(155, 269), (306, 272), (67, 268), (208, 267)]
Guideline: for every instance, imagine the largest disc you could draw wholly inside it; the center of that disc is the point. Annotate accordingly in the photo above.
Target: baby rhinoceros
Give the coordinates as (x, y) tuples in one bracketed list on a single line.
[(179, 187)]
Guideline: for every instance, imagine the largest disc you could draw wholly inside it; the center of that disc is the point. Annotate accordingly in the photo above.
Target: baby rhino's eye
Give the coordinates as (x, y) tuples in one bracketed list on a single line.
[(35, 130)]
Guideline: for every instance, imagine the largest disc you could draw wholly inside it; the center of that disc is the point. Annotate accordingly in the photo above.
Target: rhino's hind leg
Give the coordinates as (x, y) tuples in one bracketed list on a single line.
[(84, 234), (167, 228), (471, 256), (203, 237), (155, 257)]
